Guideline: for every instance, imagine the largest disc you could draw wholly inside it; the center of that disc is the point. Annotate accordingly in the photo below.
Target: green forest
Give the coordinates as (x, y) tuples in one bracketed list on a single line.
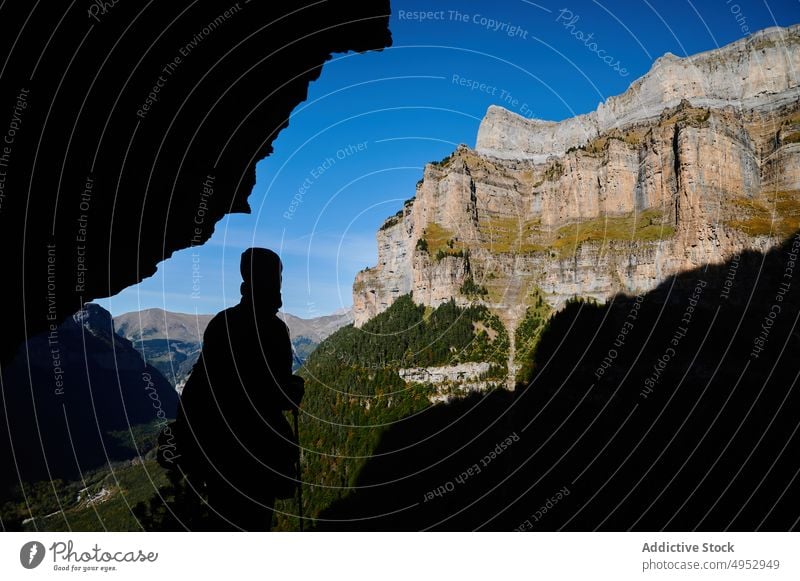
[(354, 392)]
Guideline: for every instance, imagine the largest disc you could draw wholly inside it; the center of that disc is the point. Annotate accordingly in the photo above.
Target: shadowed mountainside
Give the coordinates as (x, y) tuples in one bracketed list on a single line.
[(102, 396), (673, 410), (137, 127)]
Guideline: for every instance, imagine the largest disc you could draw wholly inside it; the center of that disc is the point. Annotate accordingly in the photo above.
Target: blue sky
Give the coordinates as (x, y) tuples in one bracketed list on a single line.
[(355, 149)]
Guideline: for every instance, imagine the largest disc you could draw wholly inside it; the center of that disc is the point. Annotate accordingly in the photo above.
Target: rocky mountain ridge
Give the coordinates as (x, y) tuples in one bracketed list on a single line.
[(758, 72), (172, 341), (680, 171)]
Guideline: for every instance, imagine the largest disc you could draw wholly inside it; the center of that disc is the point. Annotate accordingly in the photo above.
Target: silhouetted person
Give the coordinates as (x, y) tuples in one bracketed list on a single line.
[(233, 426)]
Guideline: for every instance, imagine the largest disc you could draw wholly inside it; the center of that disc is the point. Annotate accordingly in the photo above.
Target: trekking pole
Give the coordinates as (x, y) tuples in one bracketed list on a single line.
[(298, 470)]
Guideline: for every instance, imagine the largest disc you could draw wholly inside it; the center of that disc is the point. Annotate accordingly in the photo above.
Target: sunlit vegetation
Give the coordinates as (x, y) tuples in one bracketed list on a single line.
[(105, 499), (529, 332), (440, 242), (471, 289), (511, 234), (506, 235), (354, 392), (632, 137), (791, 137), (444, 161), (554, 172), (688, 115), (754, 216), (392, 221), (646, 226)]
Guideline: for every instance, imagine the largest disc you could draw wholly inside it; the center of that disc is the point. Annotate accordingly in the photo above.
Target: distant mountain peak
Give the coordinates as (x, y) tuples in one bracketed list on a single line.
[(172, 341)]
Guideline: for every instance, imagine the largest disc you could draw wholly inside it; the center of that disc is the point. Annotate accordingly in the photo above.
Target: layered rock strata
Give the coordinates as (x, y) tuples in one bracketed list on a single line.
[(697, 161)]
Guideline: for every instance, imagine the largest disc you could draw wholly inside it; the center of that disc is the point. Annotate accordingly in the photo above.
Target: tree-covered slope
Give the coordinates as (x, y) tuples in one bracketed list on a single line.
[(354, 392)]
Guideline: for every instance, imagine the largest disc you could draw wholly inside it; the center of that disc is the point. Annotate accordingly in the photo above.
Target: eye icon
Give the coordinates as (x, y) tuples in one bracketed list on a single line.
[(31, 554)]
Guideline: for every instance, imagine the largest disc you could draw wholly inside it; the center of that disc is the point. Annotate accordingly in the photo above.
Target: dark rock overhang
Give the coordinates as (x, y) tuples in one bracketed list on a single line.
[(130, 128)]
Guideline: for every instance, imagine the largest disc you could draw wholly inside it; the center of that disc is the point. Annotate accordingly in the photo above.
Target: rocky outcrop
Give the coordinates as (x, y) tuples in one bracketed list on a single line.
[(441, 374), (451, 381), (680, 171)]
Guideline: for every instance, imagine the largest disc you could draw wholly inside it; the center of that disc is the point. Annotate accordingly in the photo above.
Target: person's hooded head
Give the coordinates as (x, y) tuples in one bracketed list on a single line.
[(261, 272)]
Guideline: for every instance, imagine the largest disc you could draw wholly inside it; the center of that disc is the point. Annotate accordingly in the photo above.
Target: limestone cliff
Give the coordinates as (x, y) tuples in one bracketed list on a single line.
[(757, 72), (695, 162)]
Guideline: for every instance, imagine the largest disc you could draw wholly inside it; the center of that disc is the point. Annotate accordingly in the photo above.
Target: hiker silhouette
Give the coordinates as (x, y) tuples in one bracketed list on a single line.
[(234, 439)]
